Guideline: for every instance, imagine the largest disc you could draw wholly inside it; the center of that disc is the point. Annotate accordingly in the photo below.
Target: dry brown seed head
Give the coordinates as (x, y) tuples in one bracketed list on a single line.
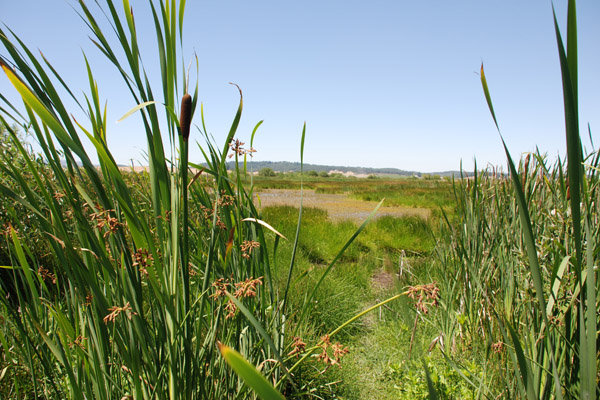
[(46, 275), (220, 286), (298, 347), (421, 293), (231, 309), (115, 311), (247, 288)]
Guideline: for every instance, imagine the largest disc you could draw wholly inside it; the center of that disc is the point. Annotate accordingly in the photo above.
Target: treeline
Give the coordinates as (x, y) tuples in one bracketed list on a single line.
[(286, 166)]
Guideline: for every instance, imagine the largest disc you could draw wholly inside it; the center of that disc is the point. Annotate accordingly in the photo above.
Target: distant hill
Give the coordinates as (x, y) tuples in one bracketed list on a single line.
[(285, 166)]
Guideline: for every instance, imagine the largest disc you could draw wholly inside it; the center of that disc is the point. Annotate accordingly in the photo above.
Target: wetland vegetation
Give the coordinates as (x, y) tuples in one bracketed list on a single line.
[(180, 282)]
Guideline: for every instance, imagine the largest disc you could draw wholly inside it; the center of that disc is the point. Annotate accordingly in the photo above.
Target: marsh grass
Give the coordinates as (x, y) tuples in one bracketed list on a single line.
[(407, 192), (379, 359), (520, 276), (119, 284), (144, 274)]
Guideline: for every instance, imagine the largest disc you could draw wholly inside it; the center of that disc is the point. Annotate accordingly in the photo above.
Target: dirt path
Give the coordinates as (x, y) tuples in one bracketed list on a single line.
[(338, 206)]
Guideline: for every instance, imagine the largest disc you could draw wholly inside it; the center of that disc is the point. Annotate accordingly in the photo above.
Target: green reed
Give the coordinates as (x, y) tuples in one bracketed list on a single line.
[(519, 266), (143, 274)]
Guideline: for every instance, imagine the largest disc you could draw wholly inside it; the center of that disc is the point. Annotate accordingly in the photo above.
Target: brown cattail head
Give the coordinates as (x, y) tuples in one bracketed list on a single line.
[(185, 117), (526, 169), (526, 166)]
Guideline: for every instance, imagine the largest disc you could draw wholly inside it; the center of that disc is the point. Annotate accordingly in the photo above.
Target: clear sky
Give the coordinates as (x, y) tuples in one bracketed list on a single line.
[(379, 83)]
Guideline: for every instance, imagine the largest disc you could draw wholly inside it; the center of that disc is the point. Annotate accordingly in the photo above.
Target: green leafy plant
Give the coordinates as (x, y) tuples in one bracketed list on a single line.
[(532, 297), (149, 271)]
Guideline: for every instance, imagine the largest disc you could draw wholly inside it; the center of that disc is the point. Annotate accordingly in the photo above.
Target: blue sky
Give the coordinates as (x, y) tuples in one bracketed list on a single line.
[(379, 83)]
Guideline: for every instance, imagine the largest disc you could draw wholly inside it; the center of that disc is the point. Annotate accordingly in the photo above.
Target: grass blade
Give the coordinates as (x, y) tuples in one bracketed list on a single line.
[(528, 236), (134, 109), (262, 332), (433, 395), (297, 238), (249, 374)]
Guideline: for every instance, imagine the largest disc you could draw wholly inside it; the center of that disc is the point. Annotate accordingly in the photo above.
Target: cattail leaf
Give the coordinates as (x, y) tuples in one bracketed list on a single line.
[(252, 148), (263, 223), (589, 348), (18, 246), (254, 133), (249, 374), (572, 47), (573, 144), (262, 333), (524, 365), (61, 357), (576, 179), (134, 109), (433, 395), (181, 14), (122, 194), (234, 126), (530, 244), (298, 224), (557, 279), (488, 98), (40, 109), (195, 177), (302, 146)]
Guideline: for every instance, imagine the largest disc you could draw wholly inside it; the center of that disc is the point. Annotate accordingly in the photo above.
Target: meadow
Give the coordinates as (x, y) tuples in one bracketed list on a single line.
[(176, 282)]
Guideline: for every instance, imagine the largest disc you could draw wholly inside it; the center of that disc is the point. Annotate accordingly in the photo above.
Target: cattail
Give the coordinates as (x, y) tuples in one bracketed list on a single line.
[(185, 117), (526, 169)]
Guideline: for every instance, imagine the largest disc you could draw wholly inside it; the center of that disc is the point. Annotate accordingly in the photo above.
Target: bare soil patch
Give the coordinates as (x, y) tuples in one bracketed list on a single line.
[(383, 281)]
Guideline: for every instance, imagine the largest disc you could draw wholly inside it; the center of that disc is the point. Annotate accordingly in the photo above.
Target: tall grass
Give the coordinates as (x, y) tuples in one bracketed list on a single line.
[(520, 266), (142, 274), (130, 310)]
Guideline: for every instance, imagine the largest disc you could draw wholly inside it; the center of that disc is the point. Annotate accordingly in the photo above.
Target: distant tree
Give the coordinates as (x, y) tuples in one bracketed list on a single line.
[(323, 174), (372, 176), (312, 173), (266, 172)]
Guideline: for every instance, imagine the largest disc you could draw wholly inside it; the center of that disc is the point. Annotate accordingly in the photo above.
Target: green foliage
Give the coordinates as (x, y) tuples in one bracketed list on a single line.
[(531, 296), (249, 374), (410, 381), (266, 172), (142, 274)]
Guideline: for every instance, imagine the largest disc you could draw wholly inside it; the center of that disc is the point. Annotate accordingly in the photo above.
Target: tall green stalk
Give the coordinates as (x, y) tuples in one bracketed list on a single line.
[(533, 297)]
